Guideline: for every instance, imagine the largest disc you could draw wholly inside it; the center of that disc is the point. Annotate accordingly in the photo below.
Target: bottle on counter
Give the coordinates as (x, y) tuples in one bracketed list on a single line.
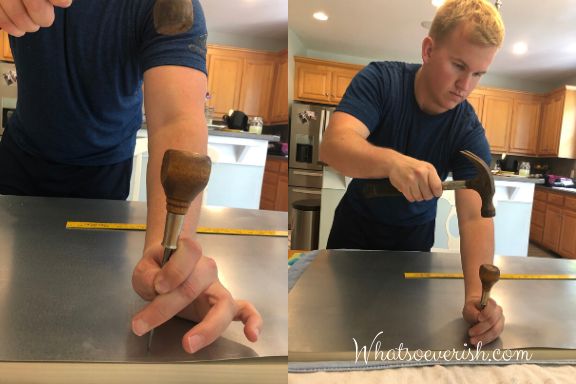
[(255, 125), (524, 169)]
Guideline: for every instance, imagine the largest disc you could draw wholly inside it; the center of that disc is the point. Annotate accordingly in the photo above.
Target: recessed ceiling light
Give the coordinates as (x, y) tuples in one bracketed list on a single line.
[(437, 3), (320, 16), (519, 48)]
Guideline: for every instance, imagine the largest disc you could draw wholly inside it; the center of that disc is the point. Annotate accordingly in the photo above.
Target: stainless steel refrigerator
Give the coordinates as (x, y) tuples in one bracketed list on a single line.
[(307, 125)]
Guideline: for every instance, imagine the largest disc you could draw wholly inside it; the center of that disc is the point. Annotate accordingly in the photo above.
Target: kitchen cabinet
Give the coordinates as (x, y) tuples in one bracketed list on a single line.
[(225, 69), (538, 216), (256, 88), (6, 51), (279, 105), (525, 125), (558, 124), (511, 119), (553, 222), (274, 196), (246, 80), (322, 81)]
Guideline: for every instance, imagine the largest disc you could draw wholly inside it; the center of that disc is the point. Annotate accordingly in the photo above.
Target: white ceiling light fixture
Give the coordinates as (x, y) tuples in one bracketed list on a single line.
[(520, 48), (320, 16), (437, 3)]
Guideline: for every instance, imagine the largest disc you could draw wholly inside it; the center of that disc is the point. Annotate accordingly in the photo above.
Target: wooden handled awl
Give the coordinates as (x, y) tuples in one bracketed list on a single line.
[(489, 275), (172, 17), (183, 176)]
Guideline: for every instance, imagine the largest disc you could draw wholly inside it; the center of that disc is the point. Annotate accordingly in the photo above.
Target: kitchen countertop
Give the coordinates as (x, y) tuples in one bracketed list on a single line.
[(143, 133), (521, 179), (557, 189)]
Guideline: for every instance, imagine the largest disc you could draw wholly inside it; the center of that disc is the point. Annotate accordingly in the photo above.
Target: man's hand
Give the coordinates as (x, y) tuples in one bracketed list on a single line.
[(188, 286), (18, 17), (487, 324), (416, 179)]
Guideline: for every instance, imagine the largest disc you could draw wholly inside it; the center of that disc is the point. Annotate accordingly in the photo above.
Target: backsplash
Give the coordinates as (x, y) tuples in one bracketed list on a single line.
[(557, 166)]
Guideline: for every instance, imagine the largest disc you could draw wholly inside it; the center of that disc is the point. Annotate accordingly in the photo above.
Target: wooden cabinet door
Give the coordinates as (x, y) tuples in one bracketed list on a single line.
[(279, 105), (551, 125), (567, 246), (496, 118), (552, 227), (476, 100), (341, 78), (6, 51), (313, 82), (224, 82), (256, 88), (525, 124)]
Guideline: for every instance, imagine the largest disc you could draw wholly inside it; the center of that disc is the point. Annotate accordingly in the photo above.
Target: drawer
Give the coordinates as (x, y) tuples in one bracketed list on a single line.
[(555, 199), (538, 218), (539, 206), (540, 195), (570, 202)]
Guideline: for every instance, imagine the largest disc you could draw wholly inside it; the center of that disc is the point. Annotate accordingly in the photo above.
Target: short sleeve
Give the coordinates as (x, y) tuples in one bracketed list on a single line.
[(186, 49), (474, 141), (365, 97)]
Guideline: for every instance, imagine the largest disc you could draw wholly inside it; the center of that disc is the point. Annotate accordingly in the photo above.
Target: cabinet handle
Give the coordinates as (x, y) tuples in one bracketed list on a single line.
[(306, 191), (307, 174)]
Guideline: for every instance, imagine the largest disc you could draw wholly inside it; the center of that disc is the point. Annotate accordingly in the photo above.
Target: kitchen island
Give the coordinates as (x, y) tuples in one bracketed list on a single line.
[(513, 201), (238, 161)]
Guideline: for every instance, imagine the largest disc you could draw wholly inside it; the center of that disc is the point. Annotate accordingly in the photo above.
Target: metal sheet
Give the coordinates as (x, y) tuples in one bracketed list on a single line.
[(66, 295), (358, 294)]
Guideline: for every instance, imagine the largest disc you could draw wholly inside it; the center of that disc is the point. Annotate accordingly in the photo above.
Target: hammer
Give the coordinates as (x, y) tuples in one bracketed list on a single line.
[(489, 275), (483, 183), (183, 176), (172, 17)]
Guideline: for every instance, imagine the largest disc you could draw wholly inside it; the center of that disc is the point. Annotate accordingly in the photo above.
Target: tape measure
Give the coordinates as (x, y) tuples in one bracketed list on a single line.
[(504, 276), (204, 230)]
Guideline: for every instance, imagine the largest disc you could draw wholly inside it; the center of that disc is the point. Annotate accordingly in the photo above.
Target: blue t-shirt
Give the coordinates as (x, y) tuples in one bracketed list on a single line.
[(382, 97), (80, 80)]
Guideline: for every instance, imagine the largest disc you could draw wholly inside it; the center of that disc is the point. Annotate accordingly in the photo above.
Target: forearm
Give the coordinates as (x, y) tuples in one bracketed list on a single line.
[(182, 135), (353, 156), (476, 248)]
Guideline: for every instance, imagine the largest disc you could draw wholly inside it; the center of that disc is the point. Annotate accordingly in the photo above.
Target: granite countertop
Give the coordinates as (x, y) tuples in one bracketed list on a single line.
[(521, 179), (558, 189), (142, 133)]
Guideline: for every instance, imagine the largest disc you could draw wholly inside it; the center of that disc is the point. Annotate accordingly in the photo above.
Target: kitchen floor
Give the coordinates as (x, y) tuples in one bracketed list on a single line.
[(535, 251)]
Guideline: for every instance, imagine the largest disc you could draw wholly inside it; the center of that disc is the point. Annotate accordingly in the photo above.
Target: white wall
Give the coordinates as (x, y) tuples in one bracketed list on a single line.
[(295, 48), (248, 42)]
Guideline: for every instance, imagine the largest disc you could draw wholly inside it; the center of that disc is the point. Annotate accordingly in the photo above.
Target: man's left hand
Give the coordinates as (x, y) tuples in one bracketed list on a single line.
[(487, 324)]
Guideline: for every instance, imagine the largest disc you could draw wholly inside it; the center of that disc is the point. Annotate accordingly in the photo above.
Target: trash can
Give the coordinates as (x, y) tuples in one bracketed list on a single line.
[(305, 224)]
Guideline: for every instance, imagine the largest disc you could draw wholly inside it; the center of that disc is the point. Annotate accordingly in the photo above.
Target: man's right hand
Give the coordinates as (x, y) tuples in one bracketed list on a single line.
[(416, 179), (18, 17)]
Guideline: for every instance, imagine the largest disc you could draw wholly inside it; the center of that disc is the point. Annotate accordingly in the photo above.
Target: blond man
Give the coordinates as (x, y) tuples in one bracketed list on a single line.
[(408, 123)]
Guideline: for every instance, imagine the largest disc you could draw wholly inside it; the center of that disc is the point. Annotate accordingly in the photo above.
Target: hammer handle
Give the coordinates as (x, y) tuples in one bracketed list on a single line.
[(384, 188)]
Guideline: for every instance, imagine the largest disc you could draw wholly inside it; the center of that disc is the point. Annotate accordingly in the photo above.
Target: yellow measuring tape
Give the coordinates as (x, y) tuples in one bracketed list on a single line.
[(205, 230), (504, 276)]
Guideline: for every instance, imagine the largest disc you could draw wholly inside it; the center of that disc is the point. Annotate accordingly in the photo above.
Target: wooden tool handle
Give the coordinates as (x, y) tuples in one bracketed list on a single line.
[(489, 275), (183, 175), (384, 188), (172, 17)]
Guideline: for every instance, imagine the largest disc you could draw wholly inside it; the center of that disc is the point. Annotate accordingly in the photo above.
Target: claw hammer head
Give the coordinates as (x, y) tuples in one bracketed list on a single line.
[(172, 17), (483, 183)]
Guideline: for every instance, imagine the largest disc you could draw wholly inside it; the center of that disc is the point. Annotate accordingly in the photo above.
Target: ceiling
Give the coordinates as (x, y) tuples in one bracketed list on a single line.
[(267, 19), (390, 29)]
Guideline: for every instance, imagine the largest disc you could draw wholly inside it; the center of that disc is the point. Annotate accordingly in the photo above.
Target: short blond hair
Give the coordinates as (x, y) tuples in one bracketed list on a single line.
[(485, 26)]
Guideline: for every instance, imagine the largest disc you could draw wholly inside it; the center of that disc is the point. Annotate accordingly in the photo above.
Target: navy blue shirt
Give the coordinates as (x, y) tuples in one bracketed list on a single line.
[(80, 80), (382, 97)]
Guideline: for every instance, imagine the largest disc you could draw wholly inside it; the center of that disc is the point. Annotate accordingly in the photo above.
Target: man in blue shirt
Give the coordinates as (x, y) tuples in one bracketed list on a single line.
[(408, 123), (81, 67)]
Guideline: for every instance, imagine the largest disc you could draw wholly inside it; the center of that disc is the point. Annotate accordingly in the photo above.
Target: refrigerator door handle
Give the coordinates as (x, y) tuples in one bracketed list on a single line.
[(322, 122)]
